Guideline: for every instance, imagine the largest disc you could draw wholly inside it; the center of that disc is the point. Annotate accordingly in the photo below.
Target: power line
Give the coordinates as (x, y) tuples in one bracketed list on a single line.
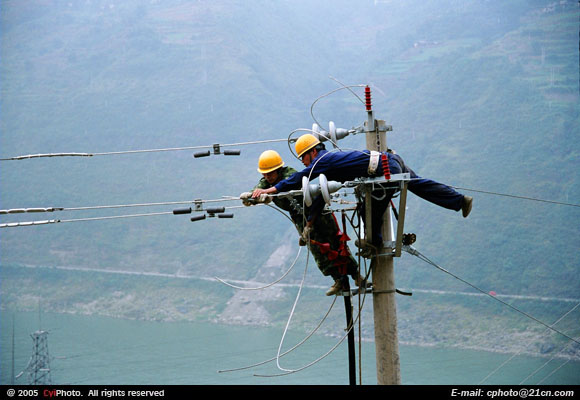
[(52, 209), (197, 202), (519, 352), (411, 250), (110, 153), (517, 197)]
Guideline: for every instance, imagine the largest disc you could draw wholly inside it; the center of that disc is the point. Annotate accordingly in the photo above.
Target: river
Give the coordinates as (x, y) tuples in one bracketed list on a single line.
[(96, 350)]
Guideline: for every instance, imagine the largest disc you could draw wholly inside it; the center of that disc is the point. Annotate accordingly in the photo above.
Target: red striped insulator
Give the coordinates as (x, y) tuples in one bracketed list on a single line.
[(386, 169), (368, 98)]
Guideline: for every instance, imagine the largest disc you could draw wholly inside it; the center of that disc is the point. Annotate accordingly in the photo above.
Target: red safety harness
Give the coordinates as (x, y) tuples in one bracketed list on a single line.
[(340, 257)]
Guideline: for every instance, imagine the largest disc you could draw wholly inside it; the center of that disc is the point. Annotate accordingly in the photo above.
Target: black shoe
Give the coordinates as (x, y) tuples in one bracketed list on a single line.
[(467, 204)]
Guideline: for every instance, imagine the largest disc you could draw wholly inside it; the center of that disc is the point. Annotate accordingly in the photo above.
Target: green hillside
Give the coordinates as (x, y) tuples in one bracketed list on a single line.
[(481, 95)]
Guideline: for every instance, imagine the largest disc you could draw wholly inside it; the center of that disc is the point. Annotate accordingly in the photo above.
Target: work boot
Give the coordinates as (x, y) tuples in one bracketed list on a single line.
[(466, 207), (366, 249), (360, 281), (335, 289)]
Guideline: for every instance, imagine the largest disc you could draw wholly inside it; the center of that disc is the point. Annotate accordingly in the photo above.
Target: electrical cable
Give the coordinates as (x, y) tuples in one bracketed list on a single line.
[(553, 372), (109, 153), (411, 250), (292, 348), (328, 94), (291, 314), (55, 221), (520, 351), (288, 372), (517, 197), (546, 363)]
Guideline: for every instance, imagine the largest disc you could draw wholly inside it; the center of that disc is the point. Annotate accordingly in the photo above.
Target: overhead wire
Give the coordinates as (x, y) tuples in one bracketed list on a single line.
[(521, 350), (301, 285), (411, 250), (554, 371), (111, 217), (547, 362), (517, 197), (109, 153)]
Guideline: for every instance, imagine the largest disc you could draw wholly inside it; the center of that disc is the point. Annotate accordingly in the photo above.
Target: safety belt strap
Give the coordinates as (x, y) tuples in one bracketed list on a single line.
[(373, 162)]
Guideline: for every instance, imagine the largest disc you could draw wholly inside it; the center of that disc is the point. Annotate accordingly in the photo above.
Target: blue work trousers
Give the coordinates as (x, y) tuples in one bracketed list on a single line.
[(434, 192)]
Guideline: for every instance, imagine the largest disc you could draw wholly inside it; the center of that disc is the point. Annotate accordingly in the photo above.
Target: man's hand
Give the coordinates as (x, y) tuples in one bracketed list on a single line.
[(263, 198), (306, 233), (258, 192), (245, 197)]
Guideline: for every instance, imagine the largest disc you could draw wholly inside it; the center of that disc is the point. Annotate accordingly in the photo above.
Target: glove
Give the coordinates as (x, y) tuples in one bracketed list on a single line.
[(306, 234), (263, 198), (245, 197)]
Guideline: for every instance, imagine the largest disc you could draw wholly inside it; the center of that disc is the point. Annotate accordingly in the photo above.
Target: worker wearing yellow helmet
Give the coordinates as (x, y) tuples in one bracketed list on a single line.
[(332, 257), (342, 166)]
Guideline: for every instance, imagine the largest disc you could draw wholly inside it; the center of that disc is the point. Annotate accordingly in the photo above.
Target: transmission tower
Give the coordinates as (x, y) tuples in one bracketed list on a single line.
[(38, 368)]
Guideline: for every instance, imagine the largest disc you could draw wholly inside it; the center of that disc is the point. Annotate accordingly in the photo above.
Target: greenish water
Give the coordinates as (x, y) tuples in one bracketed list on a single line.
[(98, 350)]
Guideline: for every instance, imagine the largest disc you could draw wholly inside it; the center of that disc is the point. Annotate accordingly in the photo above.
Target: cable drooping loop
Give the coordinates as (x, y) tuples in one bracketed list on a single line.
[(268, 285), (297, 298), (288, 372), (292, 314), (283, 275), (328, 94), (292, 348), (413, 251)]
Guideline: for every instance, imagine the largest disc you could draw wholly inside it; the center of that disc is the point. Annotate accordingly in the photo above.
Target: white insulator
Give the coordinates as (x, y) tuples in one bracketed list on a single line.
[(324, 188), (328, 187), (306, 191), (332, 133), (320, 133), (341, 133)]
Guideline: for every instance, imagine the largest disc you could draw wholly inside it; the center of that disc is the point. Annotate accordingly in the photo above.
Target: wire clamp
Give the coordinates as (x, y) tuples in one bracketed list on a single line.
[(198, 205)]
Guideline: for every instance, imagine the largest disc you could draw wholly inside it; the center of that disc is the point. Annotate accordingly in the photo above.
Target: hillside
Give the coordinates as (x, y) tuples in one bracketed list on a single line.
[(481, 95)]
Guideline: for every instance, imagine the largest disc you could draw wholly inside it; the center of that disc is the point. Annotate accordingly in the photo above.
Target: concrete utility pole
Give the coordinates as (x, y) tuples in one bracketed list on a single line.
[(383, 274)]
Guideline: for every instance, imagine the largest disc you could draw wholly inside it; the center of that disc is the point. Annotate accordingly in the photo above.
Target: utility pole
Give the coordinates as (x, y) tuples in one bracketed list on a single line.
[(382, 267)]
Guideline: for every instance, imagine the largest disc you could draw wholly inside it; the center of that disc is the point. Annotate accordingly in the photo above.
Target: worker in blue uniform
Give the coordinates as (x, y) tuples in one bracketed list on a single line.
[(345, 166)]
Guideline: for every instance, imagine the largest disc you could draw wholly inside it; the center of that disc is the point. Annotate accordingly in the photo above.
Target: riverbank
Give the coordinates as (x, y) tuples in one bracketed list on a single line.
[(427, 319)]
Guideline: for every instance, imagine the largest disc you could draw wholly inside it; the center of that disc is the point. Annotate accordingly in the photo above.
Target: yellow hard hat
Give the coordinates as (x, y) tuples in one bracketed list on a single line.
[(269, 161), (305, 143)]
